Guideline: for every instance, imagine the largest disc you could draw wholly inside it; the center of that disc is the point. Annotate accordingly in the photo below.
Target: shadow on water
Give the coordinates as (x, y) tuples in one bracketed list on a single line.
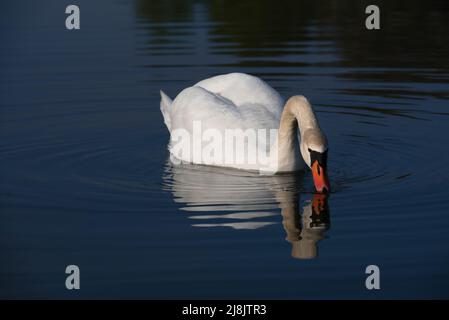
[(221, 197)]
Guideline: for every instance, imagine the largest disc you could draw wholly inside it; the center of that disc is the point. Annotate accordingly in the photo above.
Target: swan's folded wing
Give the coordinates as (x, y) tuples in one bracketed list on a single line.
[(211, 110), (243, 90)]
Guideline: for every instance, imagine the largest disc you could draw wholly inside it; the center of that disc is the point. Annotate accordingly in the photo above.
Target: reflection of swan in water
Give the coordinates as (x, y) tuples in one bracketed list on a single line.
[(223, 197), (304, 231)]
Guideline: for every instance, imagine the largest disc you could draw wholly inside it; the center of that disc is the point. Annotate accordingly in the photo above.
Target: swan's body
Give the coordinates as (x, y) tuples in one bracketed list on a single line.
[(238, 101)]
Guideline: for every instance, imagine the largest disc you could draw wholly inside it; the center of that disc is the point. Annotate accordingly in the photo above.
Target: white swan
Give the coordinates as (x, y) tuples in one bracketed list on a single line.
[(225, 121)]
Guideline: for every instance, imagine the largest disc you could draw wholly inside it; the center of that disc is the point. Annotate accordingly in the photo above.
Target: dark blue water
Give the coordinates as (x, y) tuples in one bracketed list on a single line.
[(84, 176)]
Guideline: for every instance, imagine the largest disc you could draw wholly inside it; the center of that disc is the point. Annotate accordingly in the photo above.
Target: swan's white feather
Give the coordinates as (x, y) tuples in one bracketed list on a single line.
[(166, 103), (231, 101), (245, 90)]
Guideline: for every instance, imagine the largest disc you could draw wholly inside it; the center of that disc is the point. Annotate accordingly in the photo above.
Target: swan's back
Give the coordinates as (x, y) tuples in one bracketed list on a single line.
[(234, 100), (243, 90)]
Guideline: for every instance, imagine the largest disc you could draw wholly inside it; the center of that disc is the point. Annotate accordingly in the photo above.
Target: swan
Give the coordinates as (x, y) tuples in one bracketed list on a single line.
[(237, 120)]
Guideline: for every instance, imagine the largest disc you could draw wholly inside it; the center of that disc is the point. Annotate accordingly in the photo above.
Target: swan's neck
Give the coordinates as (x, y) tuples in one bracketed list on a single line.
[(297, 114)]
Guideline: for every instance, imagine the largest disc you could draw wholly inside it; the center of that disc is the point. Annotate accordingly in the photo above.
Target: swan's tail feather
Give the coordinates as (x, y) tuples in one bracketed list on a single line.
[(165, 109)]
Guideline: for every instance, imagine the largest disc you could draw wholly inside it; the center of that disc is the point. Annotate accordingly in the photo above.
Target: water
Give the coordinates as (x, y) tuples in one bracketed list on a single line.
[(84, 176)]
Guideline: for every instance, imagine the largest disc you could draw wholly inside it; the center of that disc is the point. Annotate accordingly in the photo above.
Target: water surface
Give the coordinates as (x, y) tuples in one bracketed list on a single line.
[(84, 176)]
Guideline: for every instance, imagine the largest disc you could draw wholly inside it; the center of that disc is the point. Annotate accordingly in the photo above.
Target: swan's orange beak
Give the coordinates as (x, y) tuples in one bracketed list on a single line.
[(320, 178)]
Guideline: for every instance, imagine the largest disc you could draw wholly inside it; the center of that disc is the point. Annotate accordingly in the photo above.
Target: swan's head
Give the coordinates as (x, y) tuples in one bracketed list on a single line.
[(314, 152)]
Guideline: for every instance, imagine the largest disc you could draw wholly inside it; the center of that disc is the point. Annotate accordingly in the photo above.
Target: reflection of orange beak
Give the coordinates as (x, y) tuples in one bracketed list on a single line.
[(320, 178), (319, 203)]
